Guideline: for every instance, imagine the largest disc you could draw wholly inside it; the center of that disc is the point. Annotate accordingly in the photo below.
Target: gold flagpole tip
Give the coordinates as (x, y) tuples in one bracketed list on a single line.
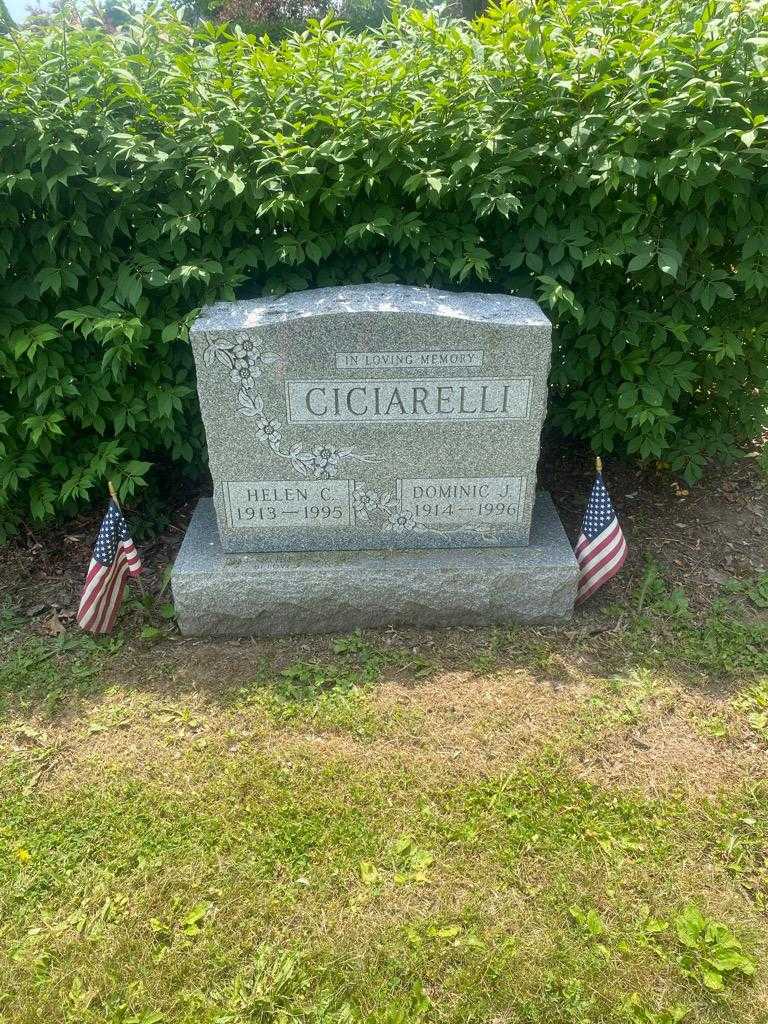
[(599, 464), (112, 491)]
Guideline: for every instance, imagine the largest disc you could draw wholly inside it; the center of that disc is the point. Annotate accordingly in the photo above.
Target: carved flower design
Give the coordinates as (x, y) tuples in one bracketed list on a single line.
[(268, 431), (325, 462), (245, 354), (364, 502), (400, 522), (245, 375), (250, 403), (240, 355)]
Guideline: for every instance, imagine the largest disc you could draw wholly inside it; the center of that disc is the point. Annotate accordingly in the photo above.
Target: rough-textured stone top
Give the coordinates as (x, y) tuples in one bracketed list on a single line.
[(369, 298)]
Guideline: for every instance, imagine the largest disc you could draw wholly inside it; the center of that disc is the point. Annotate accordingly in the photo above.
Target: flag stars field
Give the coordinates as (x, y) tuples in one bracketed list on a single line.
[(114, 560), (601, 549)]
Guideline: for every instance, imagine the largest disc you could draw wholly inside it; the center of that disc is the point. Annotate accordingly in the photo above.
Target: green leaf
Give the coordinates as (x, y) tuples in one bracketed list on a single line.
[(192, 921), (136, 468), (640, 261), (223, 164), (49, 279), (713, 979), (627, 396), (236, 183), (369, 874), (669, 261)]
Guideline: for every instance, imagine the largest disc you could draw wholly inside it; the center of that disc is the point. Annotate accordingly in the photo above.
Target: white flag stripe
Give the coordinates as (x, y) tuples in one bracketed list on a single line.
[(114, 560), (90, 587), (584, 552), (608, 570), (601, 548), (590, 567), (598, 570), (93, 614), (111, 595), (585, 594), (90, 595), (113, 601)]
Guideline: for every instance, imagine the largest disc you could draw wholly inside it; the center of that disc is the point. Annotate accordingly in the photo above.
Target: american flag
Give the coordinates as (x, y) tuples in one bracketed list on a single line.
[(601, 549), (114, 559)]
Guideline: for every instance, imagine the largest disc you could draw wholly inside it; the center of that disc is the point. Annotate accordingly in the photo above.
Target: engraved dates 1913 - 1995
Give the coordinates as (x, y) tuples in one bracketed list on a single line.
[(477, 503)]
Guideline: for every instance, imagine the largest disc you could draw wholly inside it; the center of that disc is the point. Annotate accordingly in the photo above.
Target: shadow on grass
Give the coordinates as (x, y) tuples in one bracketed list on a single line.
[(719, 649)]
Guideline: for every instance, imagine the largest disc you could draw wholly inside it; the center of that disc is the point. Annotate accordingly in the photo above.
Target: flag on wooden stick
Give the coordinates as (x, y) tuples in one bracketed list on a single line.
[(601, 549), (114, 559)]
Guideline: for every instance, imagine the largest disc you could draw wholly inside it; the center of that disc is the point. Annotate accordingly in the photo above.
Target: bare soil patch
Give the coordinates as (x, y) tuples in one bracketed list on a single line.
[(702, 535)]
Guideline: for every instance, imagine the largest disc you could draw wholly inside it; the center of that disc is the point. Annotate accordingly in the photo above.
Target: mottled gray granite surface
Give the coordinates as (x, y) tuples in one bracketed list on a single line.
[(370, 298), (219, 593), (373, 417)]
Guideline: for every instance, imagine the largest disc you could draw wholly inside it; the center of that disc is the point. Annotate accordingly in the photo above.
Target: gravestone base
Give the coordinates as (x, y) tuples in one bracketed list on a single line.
[(274, 594)]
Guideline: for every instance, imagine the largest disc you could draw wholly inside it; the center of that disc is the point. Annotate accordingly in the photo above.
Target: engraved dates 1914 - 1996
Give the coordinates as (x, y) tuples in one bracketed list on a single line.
[(327, 501), (422, 504)]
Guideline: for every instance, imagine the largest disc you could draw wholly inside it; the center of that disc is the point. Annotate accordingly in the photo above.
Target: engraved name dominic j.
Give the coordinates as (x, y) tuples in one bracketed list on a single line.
[(389, 401)]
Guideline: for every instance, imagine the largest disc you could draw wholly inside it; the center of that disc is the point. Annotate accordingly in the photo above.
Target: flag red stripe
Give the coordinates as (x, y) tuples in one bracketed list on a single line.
[(132, 557), (600, 558), (594, 568), (104, 586), (104, 598), (96, 602), (594, 545), (91, 592), (595, 564), (112, 594), (607, 574), (105, 606), (601, 553), (597, 571), (91, 583), (93, 568), (99, 605), (117, 602), (617, 552), (117, 589)]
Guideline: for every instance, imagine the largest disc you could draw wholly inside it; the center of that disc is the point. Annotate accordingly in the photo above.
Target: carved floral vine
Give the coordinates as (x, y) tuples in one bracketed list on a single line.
[(246, 364), (380, 509)]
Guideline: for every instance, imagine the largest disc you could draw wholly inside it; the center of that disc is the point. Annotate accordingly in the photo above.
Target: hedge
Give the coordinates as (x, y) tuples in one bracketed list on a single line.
[(608, 159)]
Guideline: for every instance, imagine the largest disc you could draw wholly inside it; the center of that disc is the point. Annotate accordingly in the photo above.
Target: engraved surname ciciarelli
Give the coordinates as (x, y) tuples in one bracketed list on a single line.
[(407, 401)]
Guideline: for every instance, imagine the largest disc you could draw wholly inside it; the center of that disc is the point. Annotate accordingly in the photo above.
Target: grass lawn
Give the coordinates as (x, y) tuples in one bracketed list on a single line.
[(465, 826), (451, 827)]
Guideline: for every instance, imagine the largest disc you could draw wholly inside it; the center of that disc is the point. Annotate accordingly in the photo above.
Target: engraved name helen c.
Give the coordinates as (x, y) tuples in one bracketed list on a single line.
[(274, 504)]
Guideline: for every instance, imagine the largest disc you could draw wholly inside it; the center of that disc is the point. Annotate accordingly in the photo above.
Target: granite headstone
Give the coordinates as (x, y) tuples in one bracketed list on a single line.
[(362, 420)]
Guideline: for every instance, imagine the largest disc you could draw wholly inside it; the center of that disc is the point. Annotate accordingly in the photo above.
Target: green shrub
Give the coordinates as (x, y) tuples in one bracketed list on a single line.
[(609, 160), (6, 21)]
